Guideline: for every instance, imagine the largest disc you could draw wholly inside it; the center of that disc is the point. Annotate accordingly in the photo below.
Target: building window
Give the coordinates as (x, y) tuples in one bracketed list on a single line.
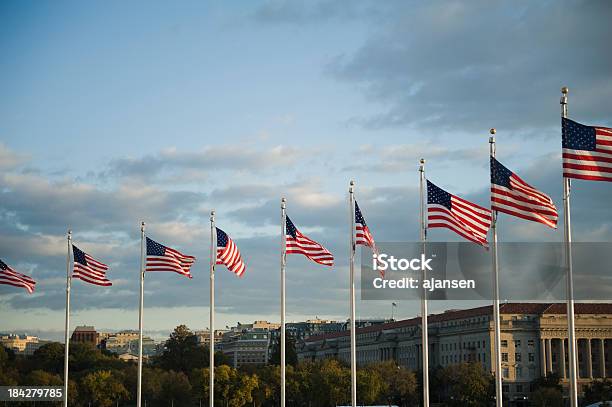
[(506, 388), (531, 342), (519, 388), (517, 343), (506, 372), (519, 373), (518, 357), (532, 357), (504, 343), (504, 357)]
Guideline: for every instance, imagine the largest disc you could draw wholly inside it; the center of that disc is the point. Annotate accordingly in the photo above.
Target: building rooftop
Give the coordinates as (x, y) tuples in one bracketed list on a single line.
[(507, 308)]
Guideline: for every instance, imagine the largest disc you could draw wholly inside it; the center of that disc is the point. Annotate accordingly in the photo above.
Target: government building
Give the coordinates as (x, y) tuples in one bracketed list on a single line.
[(533, 341)]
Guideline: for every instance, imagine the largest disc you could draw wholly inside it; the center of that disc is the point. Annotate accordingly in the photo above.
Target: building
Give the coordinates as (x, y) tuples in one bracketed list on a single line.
[(32, 347), (85, 334), (247, 348), (126, 342), (533, 340), (204, 337), (21, 344)]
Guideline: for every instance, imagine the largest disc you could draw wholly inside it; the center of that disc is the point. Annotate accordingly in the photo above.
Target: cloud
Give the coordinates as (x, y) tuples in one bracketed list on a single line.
[(448, 65), (315, 12), (201, 164), (10, 159), (396, 158)]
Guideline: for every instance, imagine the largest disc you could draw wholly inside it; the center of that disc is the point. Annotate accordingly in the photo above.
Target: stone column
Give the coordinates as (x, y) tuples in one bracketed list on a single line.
[(543, 357), (549, 355), (602, 357), (589, 360), (562, 361)]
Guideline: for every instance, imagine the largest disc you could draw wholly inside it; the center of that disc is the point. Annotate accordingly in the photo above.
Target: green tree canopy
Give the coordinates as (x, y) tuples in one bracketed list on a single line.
[(103, 388)]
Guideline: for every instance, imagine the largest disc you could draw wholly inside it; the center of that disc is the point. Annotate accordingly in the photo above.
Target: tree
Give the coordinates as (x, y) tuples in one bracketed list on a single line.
[(547, 397), (42, 378), (175, 389), (332, 382), (369, 385), (467, 385), (49, 357), (182, 353), (290, 352), (103, 388), (599, 390), (399, 385)]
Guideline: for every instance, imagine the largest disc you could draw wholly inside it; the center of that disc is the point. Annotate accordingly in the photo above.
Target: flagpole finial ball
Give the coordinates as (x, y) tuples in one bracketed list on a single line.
[(565, 90), (283, 200), (492, 131), (422, 161), (352, 183)]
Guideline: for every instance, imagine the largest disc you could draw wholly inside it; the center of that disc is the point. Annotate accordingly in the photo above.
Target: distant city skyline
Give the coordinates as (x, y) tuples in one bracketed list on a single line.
[(116, 113)]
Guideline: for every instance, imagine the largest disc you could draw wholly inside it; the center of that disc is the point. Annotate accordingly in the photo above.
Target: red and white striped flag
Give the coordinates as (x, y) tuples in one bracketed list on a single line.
[(89, 269), (362, 232), (8, 276), (228, 254), (363, 236), (511, 195), (297, 243), (587, 151), (465, 218), (162, 258)]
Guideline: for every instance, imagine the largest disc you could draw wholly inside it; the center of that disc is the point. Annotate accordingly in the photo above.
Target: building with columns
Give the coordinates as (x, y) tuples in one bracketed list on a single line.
[(533, 338)]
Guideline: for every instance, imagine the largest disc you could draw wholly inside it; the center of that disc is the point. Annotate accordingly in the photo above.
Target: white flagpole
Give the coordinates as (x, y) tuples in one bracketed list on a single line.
[(496, 323), (424, 308), (140, 313), (213, 261), (567, 229), (67, 321), (283, 265), (352, 294)]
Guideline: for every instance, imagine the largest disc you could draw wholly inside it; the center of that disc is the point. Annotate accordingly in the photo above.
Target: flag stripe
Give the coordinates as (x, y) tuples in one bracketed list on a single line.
[(587, 151), (8, 276), (228, 254), (161, 258), (297, 243), (465, 218)]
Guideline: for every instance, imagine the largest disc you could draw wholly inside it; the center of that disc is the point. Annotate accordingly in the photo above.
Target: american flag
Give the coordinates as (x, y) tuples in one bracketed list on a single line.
[(89, 269), (587, 151), (9, 276), (297, 243), (511, 195), (162, 258), (465, 218), (228, 254), (363, 235), (362, 232)]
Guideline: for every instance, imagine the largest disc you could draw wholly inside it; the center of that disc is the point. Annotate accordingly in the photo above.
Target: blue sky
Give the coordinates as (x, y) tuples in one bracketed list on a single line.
[(116, 112)]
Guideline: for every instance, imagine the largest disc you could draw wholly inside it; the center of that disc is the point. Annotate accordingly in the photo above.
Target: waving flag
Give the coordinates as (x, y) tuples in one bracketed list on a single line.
[(511, 195), (363, 235), (362, 232), (89, 269), (297, 243), (9, 276), (162, 258), (228, 254), (468, 220), (587, 151)]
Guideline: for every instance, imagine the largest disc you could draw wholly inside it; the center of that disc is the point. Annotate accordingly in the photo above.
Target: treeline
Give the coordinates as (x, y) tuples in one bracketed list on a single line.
[(179, 377)]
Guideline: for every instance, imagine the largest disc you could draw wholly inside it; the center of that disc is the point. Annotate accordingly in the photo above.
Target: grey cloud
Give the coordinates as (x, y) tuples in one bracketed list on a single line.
[(394, 158), (10, 159), (445, 65), (202, 163), (315, 12)]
